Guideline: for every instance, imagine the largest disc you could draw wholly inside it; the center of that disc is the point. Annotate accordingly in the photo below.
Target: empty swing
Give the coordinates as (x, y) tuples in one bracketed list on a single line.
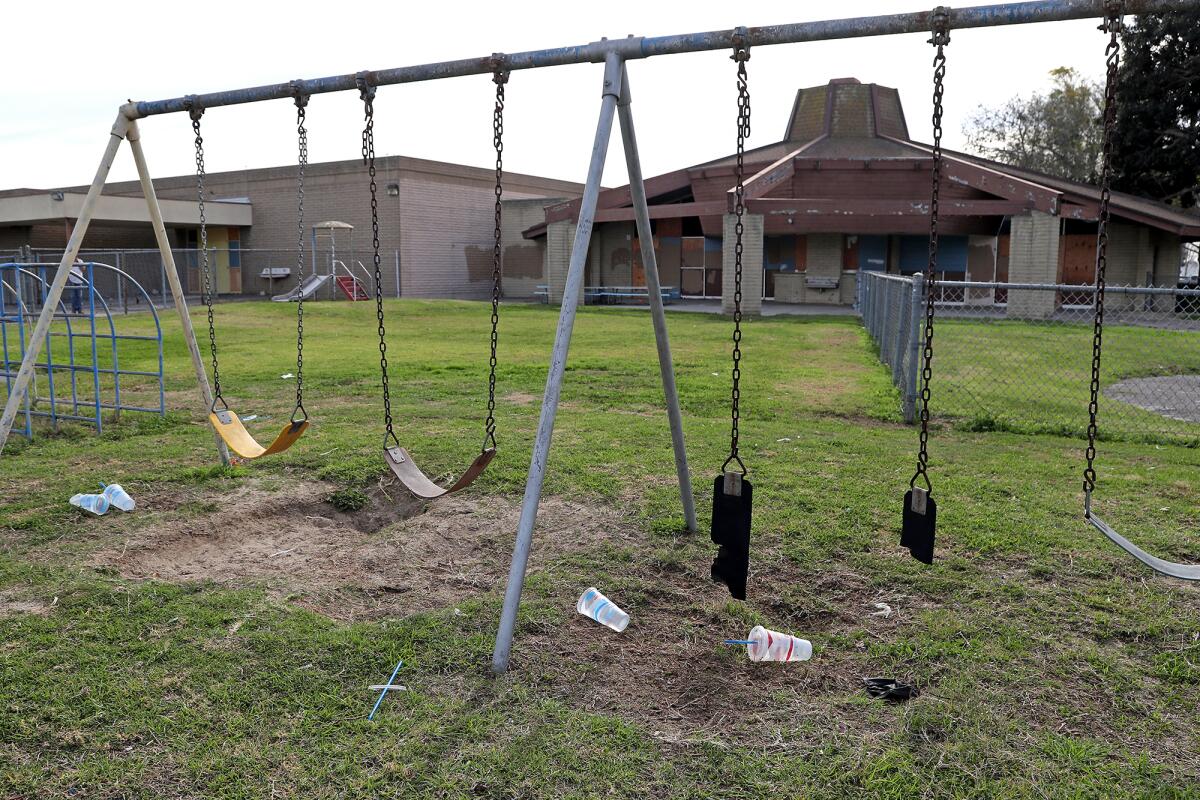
[(919, 518), (226, 422), (397, 457), (733, 494), (1187, 572)]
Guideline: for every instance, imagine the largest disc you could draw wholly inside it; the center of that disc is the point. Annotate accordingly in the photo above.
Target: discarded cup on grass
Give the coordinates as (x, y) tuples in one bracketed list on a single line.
[(765, 645), (118, 497), (96, 504), (595, 605)]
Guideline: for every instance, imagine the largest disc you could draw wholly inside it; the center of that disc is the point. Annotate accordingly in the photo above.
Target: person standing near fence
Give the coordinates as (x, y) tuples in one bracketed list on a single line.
[(76, 282)]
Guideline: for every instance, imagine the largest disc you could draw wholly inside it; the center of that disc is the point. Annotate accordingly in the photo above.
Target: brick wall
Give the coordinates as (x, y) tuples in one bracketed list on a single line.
[(752, 264), (1033, 258), (441, 223), (523, 261)]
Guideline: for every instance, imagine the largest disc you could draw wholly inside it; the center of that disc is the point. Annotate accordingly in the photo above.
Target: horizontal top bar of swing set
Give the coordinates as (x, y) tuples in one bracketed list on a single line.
[(646, 47)]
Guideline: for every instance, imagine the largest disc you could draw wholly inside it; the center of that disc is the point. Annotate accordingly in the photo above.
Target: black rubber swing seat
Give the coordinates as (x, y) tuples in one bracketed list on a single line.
[(231, 430), (1186, 572), (419, 484)]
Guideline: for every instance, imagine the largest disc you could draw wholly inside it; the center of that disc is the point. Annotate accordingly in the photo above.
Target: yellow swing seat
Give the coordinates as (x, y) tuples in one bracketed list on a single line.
[(230, 428)]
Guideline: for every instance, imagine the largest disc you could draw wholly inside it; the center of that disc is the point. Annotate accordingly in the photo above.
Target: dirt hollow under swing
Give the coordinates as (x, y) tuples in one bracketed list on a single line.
[(397, 557), (393, 558)]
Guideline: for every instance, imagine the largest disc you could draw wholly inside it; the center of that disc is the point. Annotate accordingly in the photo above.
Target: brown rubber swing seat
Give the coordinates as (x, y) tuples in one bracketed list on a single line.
[(231, 430), (404, 468)]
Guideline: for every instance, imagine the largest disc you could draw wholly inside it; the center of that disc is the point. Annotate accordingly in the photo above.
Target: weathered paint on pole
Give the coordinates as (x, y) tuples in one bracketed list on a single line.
[(637, 191), (558, 366), (171, 276), (648, 47), (38, 338)]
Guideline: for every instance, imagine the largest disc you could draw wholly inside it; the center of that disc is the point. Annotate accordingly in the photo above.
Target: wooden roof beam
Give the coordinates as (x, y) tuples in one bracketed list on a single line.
[(770, 176), (615, 198), (993, 181), (861, 207)]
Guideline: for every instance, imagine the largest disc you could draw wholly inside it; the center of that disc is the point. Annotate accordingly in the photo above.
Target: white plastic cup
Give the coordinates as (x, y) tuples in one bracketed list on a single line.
[(95, 504), (595, 605), (775, 646), (119, 498)]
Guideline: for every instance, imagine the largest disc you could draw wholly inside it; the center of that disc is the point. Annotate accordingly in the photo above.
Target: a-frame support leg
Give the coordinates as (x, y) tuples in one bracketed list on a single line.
[(641, 210), (177, 295), (558, 365)]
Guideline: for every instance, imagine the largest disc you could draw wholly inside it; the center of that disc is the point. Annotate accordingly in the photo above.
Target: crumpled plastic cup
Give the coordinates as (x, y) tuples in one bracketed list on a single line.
[(118, 497), (775, 646), (595, 605), (95, 504)]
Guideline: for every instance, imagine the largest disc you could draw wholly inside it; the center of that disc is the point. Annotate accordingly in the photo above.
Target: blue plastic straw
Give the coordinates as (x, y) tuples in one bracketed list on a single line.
[(383, 694), (750, 642)]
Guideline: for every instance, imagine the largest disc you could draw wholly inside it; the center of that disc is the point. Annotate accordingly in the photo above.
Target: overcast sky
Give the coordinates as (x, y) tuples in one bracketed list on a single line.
[(68, 65)]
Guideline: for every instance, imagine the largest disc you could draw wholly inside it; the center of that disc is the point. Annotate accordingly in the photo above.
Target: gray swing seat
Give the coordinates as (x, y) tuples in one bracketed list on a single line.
[(419, 484), (1172, 569)]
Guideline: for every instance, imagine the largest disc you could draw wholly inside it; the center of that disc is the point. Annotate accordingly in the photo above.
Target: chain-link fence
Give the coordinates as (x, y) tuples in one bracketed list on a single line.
[(1012, 356), (238, 273)]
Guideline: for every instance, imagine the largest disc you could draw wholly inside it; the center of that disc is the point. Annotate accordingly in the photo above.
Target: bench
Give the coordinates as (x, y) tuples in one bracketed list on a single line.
[(821, 282), (614, 295)]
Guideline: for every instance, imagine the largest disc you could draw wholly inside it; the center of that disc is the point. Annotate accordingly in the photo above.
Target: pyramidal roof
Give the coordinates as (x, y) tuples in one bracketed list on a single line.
[(845, 108)]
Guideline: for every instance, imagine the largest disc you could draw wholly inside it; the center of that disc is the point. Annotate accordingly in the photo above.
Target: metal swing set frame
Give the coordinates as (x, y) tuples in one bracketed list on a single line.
[(615, 102)]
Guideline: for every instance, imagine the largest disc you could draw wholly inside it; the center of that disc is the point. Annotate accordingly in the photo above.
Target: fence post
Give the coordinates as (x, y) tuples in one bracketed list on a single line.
[(914, 348), (162, 280), (858, 292), (901, 335), (883, 327)]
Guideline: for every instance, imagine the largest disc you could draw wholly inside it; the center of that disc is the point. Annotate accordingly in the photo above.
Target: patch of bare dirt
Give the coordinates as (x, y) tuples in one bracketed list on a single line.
[(386, 560), (670, 672), (11, 604), (520, 398)]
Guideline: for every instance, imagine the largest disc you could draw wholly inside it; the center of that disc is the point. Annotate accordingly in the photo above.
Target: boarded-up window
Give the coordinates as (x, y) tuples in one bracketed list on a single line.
[(914, 254)]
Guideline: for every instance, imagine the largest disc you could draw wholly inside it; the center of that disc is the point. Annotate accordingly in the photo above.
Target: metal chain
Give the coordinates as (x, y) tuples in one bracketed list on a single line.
[(367, 93), (1112, 52), (941, 37), (196, 112), (500, 77), (741, 55), (302, 136)]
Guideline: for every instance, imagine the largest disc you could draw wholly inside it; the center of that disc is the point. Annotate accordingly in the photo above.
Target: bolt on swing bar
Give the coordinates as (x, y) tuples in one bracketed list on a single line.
[(649, 46)]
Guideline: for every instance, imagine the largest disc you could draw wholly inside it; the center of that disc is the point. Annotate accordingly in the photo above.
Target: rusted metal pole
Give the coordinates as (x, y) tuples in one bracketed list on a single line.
[(649, 46)]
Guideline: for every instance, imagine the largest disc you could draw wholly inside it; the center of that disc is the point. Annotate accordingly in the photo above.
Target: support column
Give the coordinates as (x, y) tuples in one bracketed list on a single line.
[(637, 191), (172, 275), (1033, 258), (560, 240), (752, 264), (38, 338), (558, 366)]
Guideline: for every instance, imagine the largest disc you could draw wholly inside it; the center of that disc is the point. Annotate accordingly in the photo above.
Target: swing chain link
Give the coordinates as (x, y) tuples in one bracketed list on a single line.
[(741, 54), (500, 78), (366, 92), (196, 111), (302, 136), (940, 30), (1112, 52)]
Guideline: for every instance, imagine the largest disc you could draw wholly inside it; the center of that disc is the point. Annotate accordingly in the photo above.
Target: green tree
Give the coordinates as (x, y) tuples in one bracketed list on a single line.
[(1054, 132), (1157, 145)]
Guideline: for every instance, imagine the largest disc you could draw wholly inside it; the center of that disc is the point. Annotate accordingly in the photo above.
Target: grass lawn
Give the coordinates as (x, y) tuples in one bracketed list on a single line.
[(1034, 377), (219, 641)]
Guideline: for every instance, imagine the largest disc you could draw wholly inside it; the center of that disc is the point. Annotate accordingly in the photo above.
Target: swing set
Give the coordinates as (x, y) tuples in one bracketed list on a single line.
[(733, 491)]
